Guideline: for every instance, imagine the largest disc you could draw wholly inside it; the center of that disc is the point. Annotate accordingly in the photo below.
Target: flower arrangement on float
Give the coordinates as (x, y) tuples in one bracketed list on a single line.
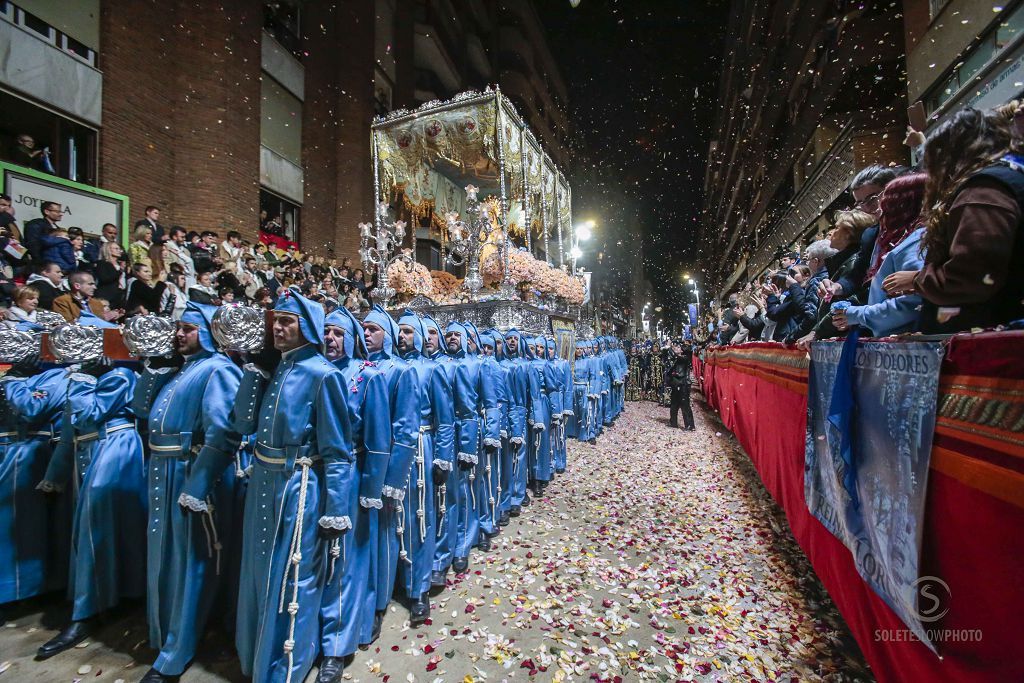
[(533, 277), (414, 282)]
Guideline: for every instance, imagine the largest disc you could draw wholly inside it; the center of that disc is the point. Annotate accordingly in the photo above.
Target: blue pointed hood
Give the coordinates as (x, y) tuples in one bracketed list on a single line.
[(378, 316), (355, 345), (513, 332), (419, 332), (429, 323), (473, 333), (499, 349), (549, 345), (460, 328), (201, 315), (311, 315)]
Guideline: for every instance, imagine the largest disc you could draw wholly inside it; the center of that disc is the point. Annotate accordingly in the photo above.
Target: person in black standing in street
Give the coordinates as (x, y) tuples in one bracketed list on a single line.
[(679, 382)]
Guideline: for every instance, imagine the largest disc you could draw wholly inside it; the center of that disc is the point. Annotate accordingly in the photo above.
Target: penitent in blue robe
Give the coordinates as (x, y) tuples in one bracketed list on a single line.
[(514, 442), (530, 423), (101, 453), (193, 448), (435, 453), (34, 531), (350, 596), (485, 476), (300, 486), (401, 378)]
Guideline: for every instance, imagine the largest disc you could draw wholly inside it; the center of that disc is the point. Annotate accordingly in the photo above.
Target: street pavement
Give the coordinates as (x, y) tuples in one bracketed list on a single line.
[(658, 556)]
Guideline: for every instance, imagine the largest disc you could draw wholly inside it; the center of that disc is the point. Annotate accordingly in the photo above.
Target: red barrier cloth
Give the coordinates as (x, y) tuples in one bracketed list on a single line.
[(974, 516), (275, 241)]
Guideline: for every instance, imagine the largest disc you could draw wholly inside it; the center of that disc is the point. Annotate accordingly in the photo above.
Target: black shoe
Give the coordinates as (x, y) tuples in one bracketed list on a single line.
[(72, 635), (517, 510), (593, 442), (420, 611), (537, 488), (154, 676), (460, 565), (526, 500), (438, 580), (378, 619), (331, 669), (673, 425), (560, 471), (504, 519), (485, 542), (691, 429)]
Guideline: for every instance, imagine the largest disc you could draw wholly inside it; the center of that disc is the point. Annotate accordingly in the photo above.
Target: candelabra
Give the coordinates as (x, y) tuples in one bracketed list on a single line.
[(380, 245), (468, 238)]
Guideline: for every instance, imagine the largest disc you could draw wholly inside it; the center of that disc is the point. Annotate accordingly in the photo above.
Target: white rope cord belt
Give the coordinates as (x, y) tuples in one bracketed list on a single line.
[(294, 558)]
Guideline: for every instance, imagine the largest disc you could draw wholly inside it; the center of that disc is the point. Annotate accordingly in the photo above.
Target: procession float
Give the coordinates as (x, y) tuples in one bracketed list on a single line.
[(473, 220)]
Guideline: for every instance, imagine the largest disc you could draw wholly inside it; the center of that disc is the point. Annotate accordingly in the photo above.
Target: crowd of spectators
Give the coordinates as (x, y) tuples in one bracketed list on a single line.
[(934, 250), (45, 265)]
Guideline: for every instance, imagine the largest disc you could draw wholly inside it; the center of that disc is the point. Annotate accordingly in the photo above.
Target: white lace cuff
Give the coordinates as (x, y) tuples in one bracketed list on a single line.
[(468, 457), (567, 413), (494, 443), (538, 427), (518, 440), (252, 367), (604, 393), (443, 465), (192, 503), (47, 486), (394, 493), (503, 434), (336, 523), (371, 502)]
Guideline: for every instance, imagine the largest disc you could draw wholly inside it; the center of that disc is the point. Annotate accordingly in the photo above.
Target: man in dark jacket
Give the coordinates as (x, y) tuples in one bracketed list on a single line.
[(679, 382), (36, 228)]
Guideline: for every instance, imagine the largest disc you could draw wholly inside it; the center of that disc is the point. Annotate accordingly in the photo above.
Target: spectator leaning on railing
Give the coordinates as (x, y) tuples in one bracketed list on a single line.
[(973, 273)]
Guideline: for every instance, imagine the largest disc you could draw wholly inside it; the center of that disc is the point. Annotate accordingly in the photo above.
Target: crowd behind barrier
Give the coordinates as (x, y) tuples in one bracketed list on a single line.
[(974, 505)]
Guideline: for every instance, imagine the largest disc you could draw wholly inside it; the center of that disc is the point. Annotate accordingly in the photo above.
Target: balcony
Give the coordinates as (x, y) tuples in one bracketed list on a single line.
[(825, 185)]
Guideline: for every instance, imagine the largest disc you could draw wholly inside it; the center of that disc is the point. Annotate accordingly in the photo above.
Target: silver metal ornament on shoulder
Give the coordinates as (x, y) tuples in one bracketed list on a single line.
[(49, 320), (16, 345), (76, 344), (149, 336), (238, 327)]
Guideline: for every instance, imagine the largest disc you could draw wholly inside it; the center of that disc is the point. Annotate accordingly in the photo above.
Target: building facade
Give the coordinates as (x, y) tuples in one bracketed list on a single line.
[(815, 92), (963, 53), (228, 115)]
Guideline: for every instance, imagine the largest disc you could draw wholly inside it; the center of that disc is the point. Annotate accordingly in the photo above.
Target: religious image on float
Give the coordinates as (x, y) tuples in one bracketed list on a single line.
[(489, 213)]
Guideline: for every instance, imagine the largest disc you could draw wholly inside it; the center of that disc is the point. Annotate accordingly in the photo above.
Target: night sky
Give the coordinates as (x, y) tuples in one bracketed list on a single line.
[(643, 89)]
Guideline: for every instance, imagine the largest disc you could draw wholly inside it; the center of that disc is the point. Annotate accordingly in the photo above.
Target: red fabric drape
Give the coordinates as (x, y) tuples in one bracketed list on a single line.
[(973, 540)]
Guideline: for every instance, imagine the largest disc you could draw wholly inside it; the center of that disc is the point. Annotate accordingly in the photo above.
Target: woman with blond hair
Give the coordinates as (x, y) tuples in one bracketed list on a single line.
[(138, 250), (26, 303)]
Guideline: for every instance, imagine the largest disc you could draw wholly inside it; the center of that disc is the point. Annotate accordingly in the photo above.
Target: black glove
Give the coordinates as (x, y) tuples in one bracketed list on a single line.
[(440, 476), (26, 367), (175, 361), (466, 466), (97, 368), (265, 359), (330, 533)]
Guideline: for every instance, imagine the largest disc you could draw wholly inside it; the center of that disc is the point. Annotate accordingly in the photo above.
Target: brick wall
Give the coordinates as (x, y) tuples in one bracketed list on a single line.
[(181, 106), (337, 114)]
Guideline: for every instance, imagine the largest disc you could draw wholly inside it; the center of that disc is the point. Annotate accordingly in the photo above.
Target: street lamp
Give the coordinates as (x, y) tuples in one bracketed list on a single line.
[(582, 233), (696, 296)]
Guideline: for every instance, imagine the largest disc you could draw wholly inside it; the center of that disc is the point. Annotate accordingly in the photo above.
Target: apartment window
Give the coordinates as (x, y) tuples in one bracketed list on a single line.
[(988, 47), (72, 146), (935, 6), (281, 20), (283, 217), (281, 121), (41, 29)]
